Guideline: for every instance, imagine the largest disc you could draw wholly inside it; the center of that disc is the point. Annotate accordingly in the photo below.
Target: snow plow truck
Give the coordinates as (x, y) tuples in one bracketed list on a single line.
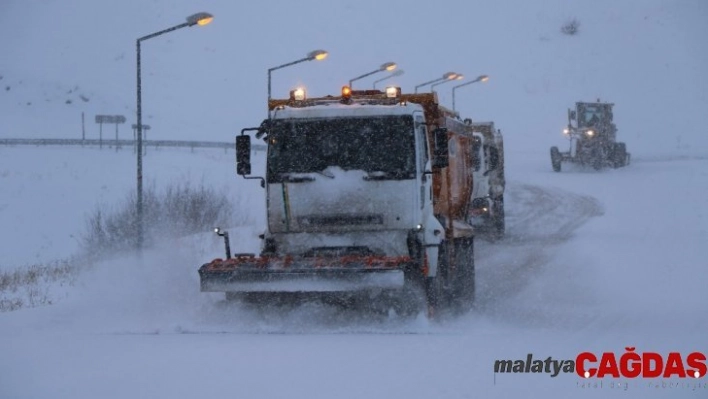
[(368, 194), (487, 211), (593, 139)]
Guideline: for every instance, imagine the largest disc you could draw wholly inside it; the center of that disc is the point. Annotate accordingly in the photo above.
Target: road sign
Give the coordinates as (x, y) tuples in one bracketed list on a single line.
[(110, 119)]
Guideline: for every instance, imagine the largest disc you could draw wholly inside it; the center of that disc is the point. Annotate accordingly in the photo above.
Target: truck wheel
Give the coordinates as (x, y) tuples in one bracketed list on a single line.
[(621, 157), (410, 301), (463, 281), (596, 160), (615, 161), (498, 221), (555, 159), (436, 293)]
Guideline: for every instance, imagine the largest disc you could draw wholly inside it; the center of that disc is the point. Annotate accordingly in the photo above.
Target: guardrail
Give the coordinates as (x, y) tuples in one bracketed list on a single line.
[(131, 143)]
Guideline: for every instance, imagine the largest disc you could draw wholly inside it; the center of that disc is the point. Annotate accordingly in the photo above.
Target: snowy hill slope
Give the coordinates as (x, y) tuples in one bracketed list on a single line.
[(206, 82)]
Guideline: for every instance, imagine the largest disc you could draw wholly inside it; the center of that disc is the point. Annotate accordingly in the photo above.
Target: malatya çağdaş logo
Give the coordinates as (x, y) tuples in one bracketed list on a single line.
[(629, 364)]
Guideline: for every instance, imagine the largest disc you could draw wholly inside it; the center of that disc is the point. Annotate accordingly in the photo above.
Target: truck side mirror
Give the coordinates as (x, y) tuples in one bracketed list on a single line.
[(243, 155), (493, 158), (572, 115), (440, 153), (476, 160)]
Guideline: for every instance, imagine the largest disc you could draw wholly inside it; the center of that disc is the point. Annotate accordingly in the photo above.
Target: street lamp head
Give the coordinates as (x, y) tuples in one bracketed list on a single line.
[(200, 18), (389, 66), (445, 78), (480, 78), (318, 55), (449, 77)]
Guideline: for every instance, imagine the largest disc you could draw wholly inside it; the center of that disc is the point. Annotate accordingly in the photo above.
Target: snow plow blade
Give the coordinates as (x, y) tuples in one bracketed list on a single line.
[(288, 274)]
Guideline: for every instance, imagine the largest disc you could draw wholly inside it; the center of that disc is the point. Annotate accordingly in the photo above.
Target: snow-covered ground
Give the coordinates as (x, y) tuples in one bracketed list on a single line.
[(593, 261), (49, 192)]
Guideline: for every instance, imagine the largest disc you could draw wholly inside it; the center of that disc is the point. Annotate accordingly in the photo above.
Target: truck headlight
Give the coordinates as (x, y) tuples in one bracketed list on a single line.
[(566, 131), (590, 133)]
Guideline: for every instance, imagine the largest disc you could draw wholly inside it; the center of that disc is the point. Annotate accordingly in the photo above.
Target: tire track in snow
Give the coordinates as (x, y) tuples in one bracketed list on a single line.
[(538, 219)]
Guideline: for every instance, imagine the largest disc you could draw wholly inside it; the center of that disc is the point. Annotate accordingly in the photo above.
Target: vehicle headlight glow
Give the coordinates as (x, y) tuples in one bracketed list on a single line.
[(566, 131), (590, 133)]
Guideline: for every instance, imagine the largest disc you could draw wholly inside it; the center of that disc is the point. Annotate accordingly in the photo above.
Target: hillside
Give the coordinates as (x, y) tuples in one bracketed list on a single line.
[(648, 57)]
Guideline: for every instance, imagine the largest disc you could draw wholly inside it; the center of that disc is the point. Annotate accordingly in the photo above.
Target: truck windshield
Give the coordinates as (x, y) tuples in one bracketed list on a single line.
[(590, 115), (380, 144)]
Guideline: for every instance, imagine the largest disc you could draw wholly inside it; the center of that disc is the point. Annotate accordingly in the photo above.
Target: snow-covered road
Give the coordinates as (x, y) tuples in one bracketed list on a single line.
[(592, 262)]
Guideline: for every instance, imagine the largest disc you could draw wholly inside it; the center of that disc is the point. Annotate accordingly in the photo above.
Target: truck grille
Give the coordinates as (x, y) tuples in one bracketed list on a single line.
[(340, 220)]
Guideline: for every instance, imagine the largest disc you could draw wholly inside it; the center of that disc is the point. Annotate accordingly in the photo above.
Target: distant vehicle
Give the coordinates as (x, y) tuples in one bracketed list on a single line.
[(487, 211), (593, 139)]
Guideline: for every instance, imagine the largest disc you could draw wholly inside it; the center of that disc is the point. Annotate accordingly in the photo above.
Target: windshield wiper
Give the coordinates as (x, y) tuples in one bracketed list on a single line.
[(324, 173), (385, 175), (296, 178)]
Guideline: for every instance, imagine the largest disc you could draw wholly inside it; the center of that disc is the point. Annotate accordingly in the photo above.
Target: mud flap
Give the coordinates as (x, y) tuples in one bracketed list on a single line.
[(463, 283)]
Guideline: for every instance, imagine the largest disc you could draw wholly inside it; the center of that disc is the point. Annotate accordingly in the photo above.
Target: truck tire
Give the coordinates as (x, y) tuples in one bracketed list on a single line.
[(498, 221), (410, 301), (596, 159), (463, 282), (615, 161), (437, 288), (555, 159), (621, 157)]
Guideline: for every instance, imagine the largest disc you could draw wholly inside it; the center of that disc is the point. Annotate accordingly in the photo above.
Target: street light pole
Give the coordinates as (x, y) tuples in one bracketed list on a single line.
[(312, 55), (398, 72), (201, 19), (480, 78), (447, 76), (389, 66), (457, 77)]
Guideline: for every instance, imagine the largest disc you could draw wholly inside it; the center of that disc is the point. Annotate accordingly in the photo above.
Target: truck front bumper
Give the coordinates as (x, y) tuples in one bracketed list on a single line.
[(350, 274)]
